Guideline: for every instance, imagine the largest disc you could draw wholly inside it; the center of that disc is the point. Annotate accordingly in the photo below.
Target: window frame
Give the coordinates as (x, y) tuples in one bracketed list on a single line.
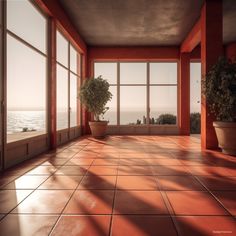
[(69, 72), (7, 32), (148, 85)]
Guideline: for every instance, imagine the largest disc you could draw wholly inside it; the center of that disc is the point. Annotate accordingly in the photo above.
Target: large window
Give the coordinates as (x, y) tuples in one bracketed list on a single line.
[(26, 71), (146, 93), (195, 97), (68, 75), (163, 93), (109, 72), (133, 79)]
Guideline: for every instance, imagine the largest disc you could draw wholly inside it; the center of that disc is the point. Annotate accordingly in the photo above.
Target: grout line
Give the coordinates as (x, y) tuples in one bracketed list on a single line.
[(114, 197), (57, 221)]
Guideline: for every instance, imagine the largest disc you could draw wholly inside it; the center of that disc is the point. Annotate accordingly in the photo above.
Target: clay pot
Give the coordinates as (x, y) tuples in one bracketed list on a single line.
[(226, 135), (98, 128)]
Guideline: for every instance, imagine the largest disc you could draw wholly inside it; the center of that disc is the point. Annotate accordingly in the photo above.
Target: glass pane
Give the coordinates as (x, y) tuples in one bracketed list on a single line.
[(195, 87), (163, 104), (26, 91), (111, 114), (133, 73), (73, 59), (25, 20), (132, 105), (62, 49), (163, 73), (108, 71), (62, 98), (73, 100), (79, 58)]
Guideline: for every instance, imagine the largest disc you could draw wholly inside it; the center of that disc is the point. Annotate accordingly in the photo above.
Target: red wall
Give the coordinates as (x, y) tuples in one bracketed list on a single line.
[(130, 54), (230, 51)]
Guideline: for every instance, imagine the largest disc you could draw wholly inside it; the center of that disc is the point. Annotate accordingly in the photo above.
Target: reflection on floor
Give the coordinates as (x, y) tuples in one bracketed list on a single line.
[(123, 185)]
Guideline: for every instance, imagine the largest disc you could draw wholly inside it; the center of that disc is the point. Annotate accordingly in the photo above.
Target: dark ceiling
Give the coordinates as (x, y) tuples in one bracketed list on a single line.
[(141, 22)]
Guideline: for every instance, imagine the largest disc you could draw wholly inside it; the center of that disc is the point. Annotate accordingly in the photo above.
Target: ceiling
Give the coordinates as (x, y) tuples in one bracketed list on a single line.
[(141, 22)]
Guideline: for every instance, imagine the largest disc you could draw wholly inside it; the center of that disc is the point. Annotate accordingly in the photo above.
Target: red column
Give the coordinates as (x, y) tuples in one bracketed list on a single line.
[(85, 113), (52, 85), (211, 49), (184, 94)]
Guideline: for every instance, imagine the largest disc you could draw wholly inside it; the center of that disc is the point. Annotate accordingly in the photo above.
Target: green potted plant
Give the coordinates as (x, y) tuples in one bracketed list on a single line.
[(94, 95), (219, 88)]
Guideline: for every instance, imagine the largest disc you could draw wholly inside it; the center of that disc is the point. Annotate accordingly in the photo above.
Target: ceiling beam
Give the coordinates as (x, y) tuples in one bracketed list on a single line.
[(193, 38), (54, 9)]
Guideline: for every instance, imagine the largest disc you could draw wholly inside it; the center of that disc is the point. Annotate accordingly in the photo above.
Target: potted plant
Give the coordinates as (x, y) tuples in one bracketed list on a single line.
[(94, 95), (219, 88)]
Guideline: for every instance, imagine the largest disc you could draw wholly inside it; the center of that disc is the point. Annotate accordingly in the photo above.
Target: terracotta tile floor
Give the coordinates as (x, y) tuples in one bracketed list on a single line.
[(123, 185)]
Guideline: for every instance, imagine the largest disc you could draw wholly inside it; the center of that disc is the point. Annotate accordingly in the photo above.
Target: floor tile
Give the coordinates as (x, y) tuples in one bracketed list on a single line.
[(106, 162), (17, 170), (103, 170), (9, 199), (26, 182), (80, 162), (205, 225), (218, 183), (90, 202), (44, 201), (135, 170), (139, 202), (168, 183), (170, 170), (72, 170), (27, 225), (194, 203), (54, 162), (136, 182), (61, 182), (98, 182), (228, 199), (93, 225), (133, 162), (4, 180), (164, 162), (137, 225), (42, 170), (212, 170)]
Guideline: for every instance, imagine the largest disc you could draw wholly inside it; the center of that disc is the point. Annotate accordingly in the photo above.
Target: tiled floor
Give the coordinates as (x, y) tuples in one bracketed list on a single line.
[(123, 185)]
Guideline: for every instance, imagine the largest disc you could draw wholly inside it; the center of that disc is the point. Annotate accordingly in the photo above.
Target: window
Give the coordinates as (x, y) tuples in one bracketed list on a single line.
[(108, 71), (195, 98), (26, 71), (132, 105), (133, 73), (24, 20), (195, 87), (138, 86), (62, 98), (133, 79), (68, 69), (163, 93)]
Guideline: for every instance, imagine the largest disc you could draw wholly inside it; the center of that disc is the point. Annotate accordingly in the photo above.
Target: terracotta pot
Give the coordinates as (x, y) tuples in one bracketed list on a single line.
[(98, 128), (226, 135)]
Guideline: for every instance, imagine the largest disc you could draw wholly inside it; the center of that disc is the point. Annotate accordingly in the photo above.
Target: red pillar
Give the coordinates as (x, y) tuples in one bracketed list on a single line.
[(52, 85), (184, 94), (85, 113), (211, 49)]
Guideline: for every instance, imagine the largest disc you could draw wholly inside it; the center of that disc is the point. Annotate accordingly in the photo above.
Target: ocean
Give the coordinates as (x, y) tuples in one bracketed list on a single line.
[(35, 120)]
